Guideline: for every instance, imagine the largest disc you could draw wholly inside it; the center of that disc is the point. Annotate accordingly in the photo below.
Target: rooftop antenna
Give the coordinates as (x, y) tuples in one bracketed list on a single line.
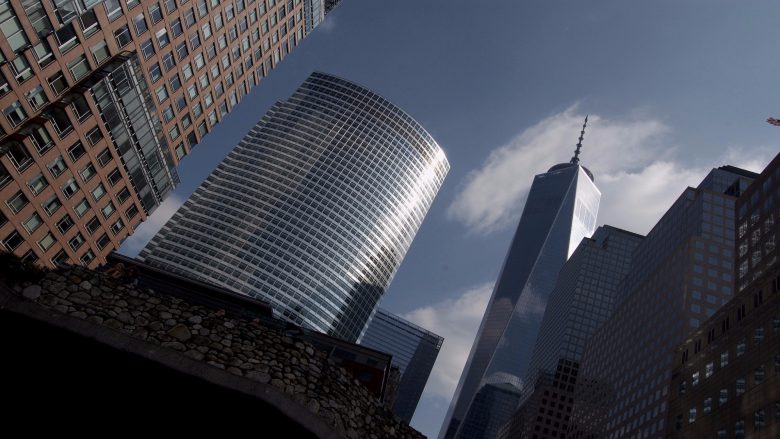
[(576, 159)]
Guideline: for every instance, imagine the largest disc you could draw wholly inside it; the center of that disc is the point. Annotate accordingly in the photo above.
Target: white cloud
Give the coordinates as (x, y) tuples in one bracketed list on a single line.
[(632, 158), (457, 320), (146, 231)]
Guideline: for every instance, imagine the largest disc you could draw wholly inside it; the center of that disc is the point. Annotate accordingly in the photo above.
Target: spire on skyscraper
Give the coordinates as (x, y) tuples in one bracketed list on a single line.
[(576, 158)]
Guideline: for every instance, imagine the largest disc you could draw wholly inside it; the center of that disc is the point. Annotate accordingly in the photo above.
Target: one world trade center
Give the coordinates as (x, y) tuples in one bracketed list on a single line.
[(560, 211)]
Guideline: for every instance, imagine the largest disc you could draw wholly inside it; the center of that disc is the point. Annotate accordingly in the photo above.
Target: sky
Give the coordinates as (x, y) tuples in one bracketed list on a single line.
[(673, 88)]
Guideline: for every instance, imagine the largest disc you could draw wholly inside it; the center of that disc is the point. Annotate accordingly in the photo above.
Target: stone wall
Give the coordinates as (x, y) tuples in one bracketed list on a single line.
[(240, 347)]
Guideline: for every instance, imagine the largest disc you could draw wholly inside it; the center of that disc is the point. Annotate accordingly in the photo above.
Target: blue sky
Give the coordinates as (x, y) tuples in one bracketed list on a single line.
[(673, 88)]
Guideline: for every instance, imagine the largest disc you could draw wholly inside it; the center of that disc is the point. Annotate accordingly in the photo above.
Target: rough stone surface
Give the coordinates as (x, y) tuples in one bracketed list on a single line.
[(239, 347)]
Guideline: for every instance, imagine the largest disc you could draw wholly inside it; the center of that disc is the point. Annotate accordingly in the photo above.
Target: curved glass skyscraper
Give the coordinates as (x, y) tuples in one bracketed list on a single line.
[(315, 208)]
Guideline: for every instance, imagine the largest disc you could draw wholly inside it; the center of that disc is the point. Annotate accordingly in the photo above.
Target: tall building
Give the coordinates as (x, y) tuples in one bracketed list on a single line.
[(726, 375), (315, 208), (681, 274), (582, 300), (414, 351), (101, 99), (561, 210)]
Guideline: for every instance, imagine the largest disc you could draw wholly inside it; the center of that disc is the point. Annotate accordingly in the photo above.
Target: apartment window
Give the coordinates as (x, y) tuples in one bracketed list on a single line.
[(66, 38), (187, 70), (33, 222), (723, 396), (76, 242), (89, 23), (202, 8), (218, 22), (93, 225), (192, 91), (154, 72), (168, 61), (15, 113), (5, 178), (189, 18), (98, 192), (20, 157), (758, 336), (12, 29), (175, 83), (162, 38), (230, 13), (59, 118), (759, 375), (208, 99), (113, 9), (692, 415), (155, 12), (17, 202), (707, 408), (104, 158), (140, 24), (147, 48), (58, 83), (170, 5), (194, 40), (117, 226), (13, 240), (199, 61), (709, 368), (40, 139), (724, 359), (162, 93), (123, 195), (131, 212), (186, 121), (81, 208), (180, 150), (206, 28), (181, 103), (215, 71), (65, 223), (740, 387), (197, 109), (168, 113), (103, 241), (100, 52), (4, 87), (108, 209), (37, 97), (70, 188), (741, 347), (176, 28), (202, 129), (123, 37), (87, 257), (211, 51), (181, 50), (51, 205), (37, 184), (114, 177), (94, 135), (46, 242), (76, 151), (759, 420), (81, 107)]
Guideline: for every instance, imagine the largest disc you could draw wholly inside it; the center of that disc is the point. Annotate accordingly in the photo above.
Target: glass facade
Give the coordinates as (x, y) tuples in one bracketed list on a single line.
[(414, 351), (582, 300), (560, 211), (315, 208), (681, 274)]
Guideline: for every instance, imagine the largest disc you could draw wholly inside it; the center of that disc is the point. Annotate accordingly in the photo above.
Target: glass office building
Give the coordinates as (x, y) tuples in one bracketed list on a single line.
[(682, 272), (315, 208), (414, 351), (560, 211), (582, 300)]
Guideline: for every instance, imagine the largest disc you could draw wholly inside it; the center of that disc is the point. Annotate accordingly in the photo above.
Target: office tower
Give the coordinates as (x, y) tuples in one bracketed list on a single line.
[(414, 351), (726, 374), (682, 272), (561, 210), (101, 99), (315, 208), (582, 300)]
